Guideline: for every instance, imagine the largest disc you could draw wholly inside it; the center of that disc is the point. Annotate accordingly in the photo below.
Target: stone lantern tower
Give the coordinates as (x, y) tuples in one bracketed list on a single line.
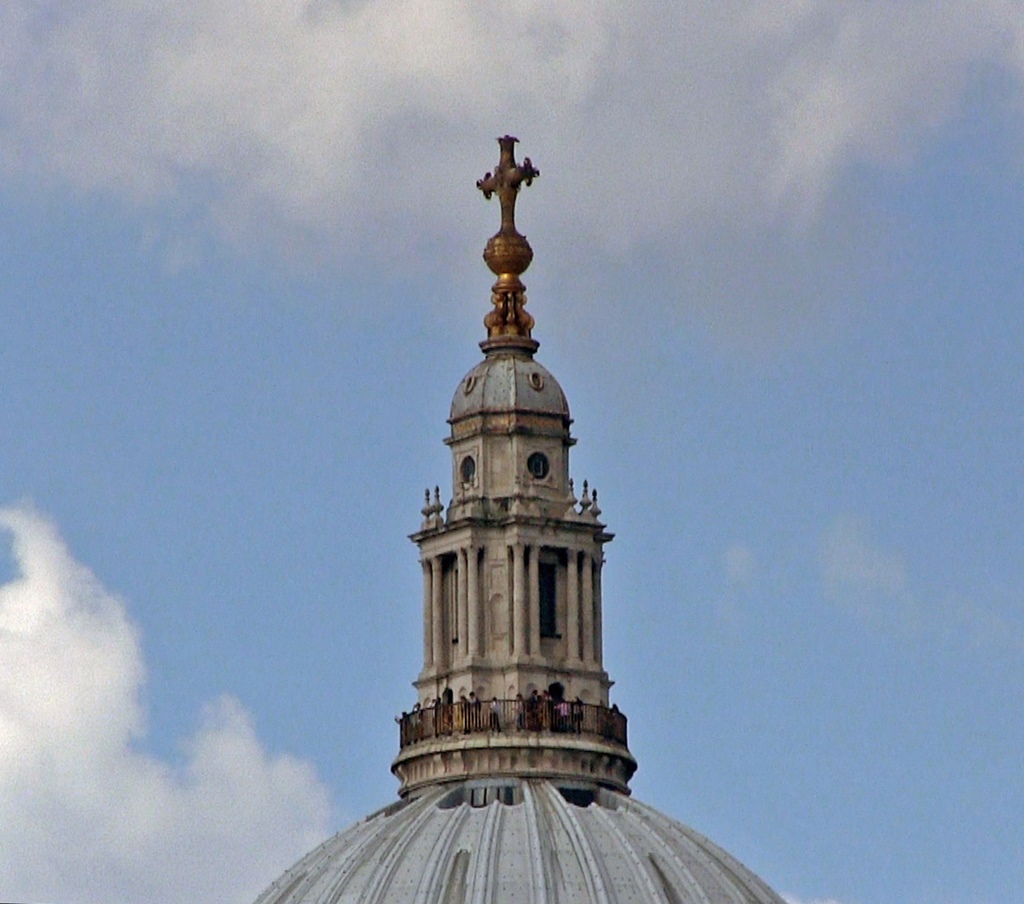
[(513, 764), (513, 680)]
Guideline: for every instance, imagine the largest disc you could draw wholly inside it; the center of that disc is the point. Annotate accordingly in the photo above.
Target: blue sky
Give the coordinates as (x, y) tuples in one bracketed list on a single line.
[(778, 274)]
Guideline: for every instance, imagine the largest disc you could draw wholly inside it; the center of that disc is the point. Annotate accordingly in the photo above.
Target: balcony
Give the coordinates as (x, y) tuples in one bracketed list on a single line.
[(519, 716)]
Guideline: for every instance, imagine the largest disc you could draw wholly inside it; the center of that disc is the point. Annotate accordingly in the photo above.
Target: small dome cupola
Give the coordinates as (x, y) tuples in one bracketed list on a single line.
[(509, 417), (501, 384)]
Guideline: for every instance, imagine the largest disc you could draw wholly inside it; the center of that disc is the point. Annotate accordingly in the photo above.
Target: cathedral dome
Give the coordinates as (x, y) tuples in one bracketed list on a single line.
[(519, 841), (509, 381)]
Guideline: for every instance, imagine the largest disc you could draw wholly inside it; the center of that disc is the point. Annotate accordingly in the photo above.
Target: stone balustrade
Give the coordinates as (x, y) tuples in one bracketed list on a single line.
[(445, 720)]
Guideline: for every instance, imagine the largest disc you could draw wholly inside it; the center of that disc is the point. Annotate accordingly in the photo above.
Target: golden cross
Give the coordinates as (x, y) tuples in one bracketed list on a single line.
[(505, 182)]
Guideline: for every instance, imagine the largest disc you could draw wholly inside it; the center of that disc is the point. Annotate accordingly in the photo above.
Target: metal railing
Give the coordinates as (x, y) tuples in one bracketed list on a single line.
[(445, 720)]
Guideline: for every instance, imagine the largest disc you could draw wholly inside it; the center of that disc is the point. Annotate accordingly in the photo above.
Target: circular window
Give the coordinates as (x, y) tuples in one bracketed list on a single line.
[(537, 465), (468, 469)]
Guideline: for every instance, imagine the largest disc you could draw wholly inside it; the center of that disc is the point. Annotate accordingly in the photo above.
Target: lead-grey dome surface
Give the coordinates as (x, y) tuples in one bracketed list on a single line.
[(508, 382), (522, 841)]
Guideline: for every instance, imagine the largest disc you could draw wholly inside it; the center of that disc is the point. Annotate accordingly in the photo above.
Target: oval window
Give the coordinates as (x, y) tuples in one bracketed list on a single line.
[(468, 469), (537, 465)]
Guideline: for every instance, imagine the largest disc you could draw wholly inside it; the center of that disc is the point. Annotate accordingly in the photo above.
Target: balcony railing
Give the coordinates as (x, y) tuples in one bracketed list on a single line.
[(445, 720)]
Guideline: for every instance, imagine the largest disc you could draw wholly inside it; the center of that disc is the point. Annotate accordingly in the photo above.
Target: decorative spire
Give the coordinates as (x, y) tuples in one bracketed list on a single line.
[(432, 511), (508, 254), (585, 502)]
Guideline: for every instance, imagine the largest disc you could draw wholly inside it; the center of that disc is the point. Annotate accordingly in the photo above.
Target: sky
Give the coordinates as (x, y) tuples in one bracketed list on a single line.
[(778, 273)]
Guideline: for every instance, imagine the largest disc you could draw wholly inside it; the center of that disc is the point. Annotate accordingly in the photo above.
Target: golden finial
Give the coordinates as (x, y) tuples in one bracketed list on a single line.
[(508, 254)]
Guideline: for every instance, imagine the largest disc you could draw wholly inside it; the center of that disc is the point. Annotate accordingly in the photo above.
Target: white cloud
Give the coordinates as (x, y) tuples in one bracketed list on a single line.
[(983, 627), (710, 141), (90, 818), (741, 576), (867, 580), (740, 567), (855, 568), (868, 80), (342, 118), (872, 583)]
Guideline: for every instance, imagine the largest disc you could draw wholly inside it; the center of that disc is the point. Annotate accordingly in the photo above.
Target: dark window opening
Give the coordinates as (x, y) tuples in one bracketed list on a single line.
[(547, 573), (537, 465), (449, 593), (578, 797)]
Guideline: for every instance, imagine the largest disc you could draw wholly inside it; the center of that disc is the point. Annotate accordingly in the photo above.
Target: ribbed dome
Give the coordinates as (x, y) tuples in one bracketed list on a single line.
[(509, 382), (518, 841)]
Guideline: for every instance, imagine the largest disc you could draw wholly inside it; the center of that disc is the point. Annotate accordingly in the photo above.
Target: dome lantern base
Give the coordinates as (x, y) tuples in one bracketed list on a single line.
[(582, 756)]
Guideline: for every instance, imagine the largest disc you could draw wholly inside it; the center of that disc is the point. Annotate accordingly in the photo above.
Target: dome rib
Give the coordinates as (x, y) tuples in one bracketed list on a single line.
[(684, 875), (351, 857), (590, 866), (455, 886), (436, 877), (538, 862), (698, 848), (399, 842), (727, 871), (642, 874), (484, 863), (387, 859)]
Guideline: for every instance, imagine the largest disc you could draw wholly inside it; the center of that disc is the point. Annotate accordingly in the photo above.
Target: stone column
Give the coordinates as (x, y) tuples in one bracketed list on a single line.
[(598, 611), (587, 602), (437, 604), (533, 607), (519, 598), (460, 604), (473, 602), (572, 605), (428, 617)]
